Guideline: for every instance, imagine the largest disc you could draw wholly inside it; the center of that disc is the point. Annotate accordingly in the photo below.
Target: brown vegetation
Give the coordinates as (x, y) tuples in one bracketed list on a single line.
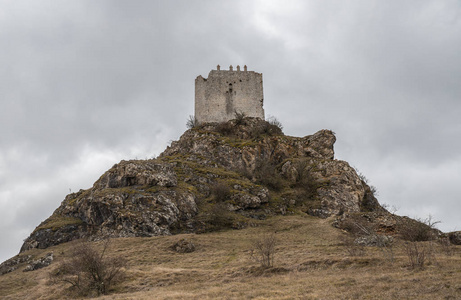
[(310, 263)]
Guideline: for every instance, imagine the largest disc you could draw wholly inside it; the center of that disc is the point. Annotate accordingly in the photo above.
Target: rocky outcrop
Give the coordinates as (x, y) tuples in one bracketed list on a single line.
[(32, 264), (40, 263), (13, 263), (214, 175), (133, 198), (455, 237), (183, 246)]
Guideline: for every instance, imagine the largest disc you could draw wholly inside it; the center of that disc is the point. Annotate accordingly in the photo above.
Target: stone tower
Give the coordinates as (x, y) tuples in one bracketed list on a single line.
[(225, 92)]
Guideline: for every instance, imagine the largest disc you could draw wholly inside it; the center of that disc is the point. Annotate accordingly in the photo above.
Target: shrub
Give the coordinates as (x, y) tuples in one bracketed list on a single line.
[(90, 270), (265, 128), (271, 129), (191, 122), (220, 192), (369, 202), (239, 118), (416, 254), (265, 173), (220, 217), (305, 181), (417, 230), (274, 122), (263, 251)]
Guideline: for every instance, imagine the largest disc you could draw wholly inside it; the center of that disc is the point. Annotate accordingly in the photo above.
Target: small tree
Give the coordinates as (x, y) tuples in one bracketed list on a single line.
[(90, 270), (263, 251)]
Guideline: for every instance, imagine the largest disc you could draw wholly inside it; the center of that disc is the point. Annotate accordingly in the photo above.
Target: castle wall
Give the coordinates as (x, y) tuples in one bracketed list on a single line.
[(226, 91)]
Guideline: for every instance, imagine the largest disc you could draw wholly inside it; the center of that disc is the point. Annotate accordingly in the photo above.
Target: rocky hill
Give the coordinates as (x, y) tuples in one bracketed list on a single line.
[(216, 175), (318, 217)]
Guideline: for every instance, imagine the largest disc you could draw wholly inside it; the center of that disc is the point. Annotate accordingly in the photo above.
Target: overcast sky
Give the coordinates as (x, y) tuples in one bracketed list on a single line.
[(85, 84)]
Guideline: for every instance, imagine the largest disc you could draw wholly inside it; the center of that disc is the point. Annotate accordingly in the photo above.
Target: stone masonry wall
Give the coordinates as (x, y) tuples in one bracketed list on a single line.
[(224, 92)]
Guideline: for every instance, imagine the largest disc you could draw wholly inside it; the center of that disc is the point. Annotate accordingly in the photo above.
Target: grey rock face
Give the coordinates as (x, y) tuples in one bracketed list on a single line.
[(133, 198), (132, 173)]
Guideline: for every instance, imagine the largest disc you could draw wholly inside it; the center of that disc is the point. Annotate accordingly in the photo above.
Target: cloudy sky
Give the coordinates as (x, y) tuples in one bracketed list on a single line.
[(85, 84)]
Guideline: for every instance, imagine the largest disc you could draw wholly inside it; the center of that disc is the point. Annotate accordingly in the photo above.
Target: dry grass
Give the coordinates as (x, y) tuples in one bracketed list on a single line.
[(310, 263)]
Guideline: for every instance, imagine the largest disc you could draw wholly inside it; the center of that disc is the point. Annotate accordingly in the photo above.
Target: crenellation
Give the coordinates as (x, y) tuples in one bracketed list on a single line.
[(225, 92)]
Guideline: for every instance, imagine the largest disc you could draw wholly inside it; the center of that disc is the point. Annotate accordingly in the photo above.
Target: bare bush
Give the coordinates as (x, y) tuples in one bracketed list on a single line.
[(271, 129), (191, 122), (416, 254), (90, 270), (418, 230), (266, 128), (263, 251), (221, 192), (274, 122)]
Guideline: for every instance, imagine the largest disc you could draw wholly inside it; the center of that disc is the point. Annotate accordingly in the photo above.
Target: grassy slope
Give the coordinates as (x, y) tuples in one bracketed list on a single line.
[(311, 263)]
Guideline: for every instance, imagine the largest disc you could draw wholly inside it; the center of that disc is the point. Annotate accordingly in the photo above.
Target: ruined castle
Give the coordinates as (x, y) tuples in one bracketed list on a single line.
[(225, 92)]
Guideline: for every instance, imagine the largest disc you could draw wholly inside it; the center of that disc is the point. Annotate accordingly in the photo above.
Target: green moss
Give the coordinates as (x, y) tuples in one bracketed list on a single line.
[(186, 187), (78, 196), (244, 183), (187, 164), (238, 143), (124, 190), (55, 222), (154, 189)]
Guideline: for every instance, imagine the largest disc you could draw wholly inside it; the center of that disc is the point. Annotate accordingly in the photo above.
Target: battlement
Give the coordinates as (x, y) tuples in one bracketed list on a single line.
[(225, 92)]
